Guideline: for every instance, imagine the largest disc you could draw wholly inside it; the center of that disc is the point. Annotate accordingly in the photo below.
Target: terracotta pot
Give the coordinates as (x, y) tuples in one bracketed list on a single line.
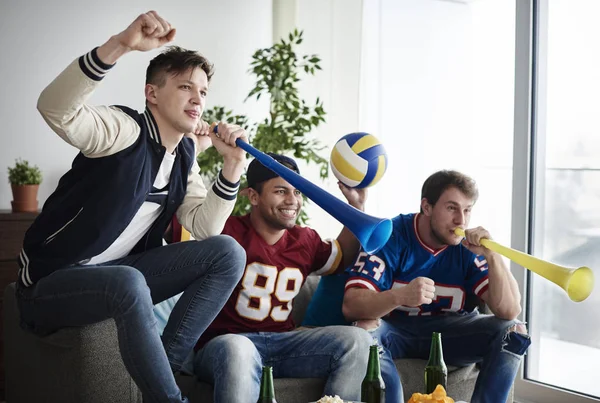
[(25, 198)]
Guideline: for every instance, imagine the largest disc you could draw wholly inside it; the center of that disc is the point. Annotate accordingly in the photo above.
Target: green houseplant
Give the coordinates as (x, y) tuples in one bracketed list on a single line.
[(24, 180), (287, 128)]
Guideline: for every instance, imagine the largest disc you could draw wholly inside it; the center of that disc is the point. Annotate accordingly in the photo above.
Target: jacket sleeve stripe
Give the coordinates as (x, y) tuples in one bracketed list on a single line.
[(92, 66), (24, 272), (225, 189)]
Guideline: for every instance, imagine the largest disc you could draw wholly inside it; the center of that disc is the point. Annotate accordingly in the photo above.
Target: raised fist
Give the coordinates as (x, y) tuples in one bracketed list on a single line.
[(148, 31)]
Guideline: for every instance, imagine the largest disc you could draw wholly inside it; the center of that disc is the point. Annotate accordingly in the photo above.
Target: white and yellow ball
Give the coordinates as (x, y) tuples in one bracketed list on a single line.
[(358, 160)]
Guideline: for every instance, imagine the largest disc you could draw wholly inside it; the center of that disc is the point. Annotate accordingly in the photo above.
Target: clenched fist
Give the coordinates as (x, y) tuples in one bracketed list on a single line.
[(420, 291), (148, 31)]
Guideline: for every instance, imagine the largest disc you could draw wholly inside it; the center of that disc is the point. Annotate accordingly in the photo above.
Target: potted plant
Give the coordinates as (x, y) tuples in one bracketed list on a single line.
[(24, 180), (287, 128)]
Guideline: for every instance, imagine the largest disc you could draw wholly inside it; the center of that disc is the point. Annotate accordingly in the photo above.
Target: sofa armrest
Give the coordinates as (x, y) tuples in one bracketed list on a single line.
[(72, 365)]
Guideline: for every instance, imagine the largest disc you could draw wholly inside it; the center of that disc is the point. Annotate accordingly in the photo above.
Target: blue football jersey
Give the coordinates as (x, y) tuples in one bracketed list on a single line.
[(458, 273)]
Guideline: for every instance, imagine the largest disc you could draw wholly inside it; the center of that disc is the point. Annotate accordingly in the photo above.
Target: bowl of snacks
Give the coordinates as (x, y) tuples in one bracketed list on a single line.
[(333, 399), (437, 396)]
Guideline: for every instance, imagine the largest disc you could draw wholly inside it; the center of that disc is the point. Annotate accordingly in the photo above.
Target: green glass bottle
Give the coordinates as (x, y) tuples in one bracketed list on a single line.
[(436, 372), (373, 387), (267, 390)]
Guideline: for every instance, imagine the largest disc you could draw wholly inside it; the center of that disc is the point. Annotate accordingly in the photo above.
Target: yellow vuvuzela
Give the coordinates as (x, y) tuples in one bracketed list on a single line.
[(578, 283)]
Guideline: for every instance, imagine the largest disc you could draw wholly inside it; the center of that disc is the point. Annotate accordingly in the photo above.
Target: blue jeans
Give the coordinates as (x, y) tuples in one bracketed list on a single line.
[(126, 289), (233, 362), (466, 339)]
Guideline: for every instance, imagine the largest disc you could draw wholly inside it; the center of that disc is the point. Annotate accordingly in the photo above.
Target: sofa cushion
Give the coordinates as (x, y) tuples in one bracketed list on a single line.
[(461, 381), (300, 303)]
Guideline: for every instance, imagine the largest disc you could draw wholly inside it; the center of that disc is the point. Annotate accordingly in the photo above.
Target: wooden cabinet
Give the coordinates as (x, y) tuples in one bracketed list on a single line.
[(12, 231)]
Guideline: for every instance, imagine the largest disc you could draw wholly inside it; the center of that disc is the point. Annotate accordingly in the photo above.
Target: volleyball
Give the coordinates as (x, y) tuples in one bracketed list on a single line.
[(358, 160)]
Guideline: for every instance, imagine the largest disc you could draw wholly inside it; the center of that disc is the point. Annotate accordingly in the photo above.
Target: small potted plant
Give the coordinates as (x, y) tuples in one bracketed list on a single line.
[(24, 180)]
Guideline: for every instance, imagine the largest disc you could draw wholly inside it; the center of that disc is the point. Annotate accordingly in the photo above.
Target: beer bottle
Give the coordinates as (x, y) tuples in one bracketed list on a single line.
[(267, 391), (436, 372), (373, 388)]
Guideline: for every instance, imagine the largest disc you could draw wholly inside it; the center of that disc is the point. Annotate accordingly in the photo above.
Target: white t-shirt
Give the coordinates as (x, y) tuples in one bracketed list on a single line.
[(143, 219)]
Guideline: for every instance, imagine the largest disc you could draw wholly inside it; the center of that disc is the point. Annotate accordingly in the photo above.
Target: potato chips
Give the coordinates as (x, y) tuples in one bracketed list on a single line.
[(330, 399), (437, 396)]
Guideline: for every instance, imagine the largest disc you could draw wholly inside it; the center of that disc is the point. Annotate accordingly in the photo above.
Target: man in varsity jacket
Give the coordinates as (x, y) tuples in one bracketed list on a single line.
[(95, 251)]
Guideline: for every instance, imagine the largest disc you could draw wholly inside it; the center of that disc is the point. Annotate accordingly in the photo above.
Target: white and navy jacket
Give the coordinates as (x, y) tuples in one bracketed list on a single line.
[(110, 179)]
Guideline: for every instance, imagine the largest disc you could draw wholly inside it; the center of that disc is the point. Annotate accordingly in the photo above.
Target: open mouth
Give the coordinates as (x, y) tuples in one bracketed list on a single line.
[(288, 213)]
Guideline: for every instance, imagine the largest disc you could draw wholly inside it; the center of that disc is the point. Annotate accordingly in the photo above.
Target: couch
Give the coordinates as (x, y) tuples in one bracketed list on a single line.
[(83, 365)]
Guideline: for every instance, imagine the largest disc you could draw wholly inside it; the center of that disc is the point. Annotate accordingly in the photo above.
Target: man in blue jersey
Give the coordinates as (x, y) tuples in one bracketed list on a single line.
[(426, 279)]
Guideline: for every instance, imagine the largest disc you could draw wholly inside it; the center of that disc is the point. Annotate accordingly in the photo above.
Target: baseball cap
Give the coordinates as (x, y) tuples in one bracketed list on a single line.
[(258, 173)]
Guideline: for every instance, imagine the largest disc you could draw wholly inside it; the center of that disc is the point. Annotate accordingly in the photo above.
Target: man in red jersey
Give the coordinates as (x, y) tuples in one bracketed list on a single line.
[(255, 327)]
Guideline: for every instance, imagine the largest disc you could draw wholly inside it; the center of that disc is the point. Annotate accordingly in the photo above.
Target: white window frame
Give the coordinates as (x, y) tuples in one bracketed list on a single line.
[(529, 171)]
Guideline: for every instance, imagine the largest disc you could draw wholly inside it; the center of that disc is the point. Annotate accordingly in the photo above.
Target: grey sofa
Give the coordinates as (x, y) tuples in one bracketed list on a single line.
[(83, 365), (73, 365)]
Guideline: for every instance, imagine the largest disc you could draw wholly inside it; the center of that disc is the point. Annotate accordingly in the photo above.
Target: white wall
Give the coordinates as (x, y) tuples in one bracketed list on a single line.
[(39, 39), (332, 30)]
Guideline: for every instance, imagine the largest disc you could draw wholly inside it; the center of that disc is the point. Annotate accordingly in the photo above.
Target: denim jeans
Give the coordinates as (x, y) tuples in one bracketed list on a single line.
[(466, 339), (233, 362), (126, 289)]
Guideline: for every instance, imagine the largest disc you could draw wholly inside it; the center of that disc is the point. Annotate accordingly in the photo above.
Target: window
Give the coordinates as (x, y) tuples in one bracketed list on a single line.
[(565, 195)]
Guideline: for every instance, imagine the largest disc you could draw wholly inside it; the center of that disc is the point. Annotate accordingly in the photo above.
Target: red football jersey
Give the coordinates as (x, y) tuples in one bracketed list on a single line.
[(262, 300)]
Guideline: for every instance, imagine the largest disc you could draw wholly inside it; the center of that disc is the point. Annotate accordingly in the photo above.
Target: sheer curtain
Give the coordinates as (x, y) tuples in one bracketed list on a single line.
[(437, 88)]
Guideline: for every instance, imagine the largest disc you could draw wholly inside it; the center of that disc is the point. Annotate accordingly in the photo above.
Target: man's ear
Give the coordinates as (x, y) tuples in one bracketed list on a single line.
[(426, 208), (252, 195), (150, 93)]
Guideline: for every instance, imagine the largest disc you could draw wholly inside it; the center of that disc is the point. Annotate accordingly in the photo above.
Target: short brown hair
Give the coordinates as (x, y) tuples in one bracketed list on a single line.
[(175, 61), (437, 184)]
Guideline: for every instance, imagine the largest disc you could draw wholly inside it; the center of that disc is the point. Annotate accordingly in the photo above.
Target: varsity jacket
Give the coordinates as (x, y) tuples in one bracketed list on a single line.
[(111, 177)]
